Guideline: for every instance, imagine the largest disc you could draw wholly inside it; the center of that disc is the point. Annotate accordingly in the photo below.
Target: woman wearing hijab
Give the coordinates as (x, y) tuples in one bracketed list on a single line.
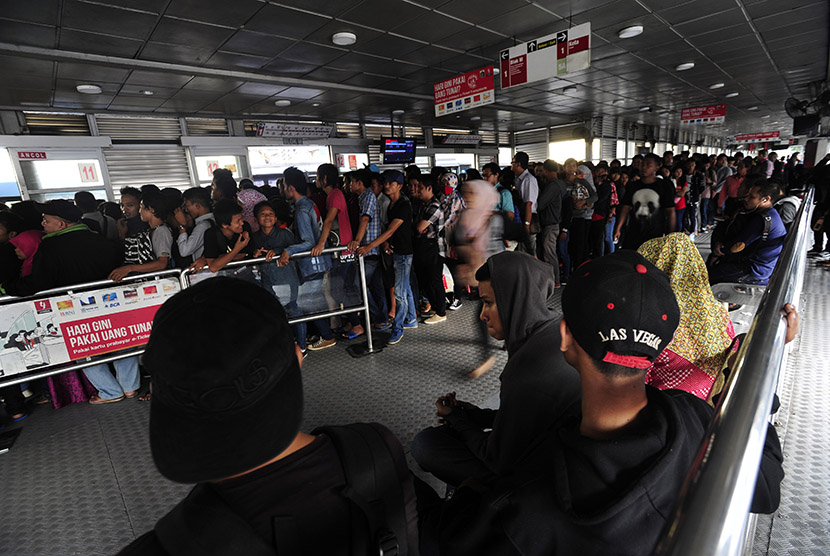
[(694, 358), (25, 247)]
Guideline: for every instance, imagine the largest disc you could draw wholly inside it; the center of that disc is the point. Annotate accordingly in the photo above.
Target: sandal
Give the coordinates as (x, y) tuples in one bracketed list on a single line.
[(145, 397), (351, 335), (97, 400)]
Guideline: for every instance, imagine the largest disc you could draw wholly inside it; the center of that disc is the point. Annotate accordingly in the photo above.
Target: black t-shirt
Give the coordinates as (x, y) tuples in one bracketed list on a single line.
[(647, 219), (216, 244), (401, 240)]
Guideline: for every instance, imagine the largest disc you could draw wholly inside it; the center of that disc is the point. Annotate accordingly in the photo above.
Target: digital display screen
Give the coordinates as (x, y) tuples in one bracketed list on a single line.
[(398, 151)]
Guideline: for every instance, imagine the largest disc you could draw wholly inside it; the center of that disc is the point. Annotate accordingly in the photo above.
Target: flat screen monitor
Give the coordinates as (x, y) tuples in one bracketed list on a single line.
[(806, 125), (398, 151)]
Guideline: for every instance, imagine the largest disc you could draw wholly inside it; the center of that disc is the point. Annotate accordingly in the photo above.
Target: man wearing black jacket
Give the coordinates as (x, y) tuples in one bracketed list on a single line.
[(606, 478), (69, 254), (552, 197)]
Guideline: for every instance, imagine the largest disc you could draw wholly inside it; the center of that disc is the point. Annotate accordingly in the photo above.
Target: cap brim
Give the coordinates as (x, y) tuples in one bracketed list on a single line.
[(190, 447)]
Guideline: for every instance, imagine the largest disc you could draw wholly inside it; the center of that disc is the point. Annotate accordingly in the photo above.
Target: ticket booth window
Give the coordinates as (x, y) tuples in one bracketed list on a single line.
[(274, 160), (59, 174), (205, 166)]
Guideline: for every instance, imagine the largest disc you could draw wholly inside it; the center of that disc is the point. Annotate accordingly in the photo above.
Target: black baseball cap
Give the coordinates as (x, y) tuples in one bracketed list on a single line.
[(621, 309), (224, 401), (62, 209)]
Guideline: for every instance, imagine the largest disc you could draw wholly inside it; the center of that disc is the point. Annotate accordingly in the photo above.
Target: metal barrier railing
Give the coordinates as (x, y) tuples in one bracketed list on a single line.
[(186, 274), (711, 516), (183, 277), (51, 369)]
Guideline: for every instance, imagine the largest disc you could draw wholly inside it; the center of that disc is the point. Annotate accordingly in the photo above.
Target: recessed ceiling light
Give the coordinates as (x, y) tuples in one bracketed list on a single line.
[(146, 92), (717, 85), (629, 32), (570, 89), (529, 123), (399, 112), (645, 109), (88, 89), (765, 116), (684, 66), (751, 108), (732, 95), (282, 102), (344, 38), (315, 104)]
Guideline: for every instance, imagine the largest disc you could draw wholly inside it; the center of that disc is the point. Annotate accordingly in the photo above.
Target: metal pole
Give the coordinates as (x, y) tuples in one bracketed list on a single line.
[(365, 287), (711, 514)]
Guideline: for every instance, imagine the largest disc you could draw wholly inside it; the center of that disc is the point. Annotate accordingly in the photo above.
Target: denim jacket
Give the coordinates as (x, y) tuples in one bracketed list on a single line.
[(307, 231)]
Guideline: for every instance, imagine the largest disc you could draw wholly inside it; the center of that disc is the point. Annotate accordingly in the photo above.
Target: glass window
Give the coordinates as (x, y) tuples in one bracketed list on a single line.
[(59, 174), (505, 156), (596, 151), (9, 188), (43, 196), (560, 151), (274, 160), (455, 162), (205, 165), (423, 162)]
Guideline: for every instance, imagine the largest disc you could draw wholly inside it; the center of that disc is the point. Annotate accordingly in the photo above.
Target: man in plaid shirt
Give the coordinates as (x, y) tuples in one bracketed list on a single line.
[(429, 249), (368, 229)]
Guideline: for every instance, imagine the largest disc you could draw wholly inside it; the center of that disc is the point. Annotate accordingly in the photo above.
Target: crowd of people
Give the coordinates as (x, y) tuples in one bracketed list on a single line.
[(601, 408)]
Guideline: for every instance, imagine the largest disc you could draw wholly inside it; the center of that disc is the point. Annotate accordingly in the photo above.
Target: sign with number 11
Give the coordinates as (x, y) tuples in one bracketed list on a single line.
[(88, 172)]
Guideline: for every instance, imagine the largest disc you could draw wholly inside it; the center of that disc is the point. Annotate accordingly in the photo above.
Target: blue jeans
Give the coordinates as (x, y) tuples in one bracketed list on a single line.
[(374, 289), (679, 214), (313, 300), (126, 378), (405, 311), (609, 236), (564, 256)]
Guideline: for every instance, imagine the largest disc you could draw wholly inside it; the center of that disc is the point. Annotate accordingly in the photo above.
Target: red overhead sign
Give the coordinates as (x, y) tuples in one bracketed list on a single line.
[(757, 137), (463, 92), (30, 155), (550, 56), (714, 114)]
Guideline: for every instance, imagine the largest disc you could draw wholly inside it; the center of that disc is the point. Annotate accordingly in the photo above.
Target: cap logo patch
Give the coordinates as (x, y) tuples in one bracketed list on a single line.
[(614, 335), (640, 336)]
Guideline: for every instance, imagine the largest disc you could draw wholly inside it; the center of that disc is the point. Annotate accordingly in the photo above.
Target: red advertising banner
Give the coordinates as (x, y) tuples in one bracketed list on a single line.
[(108, 333), (475, 88), (757, 137), (714, 114)]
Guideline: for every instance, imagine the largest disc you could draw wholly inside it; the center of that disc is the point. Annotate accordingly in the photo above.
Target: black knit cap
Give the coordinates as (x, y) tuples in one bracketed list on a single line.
[(227, 389), (621, 309), (62, 209)]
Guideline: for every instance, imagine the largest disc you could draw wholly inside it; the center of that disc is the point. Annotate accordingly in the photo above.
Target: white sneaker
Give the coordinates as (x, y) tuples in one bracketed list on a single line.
[(823, 256), (435, 319), (455, 305)]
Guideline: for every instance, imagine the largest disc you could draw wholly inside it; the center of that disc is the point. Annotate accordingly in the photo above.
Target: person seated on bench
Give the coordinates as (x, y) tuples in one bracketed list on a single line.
[(606, 479), (227, 417)]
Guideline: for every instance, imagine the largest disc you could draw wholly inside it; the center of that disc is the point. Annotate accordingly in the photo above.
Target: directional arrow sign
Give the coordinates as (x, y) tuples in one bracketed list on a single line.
[(553, 55)]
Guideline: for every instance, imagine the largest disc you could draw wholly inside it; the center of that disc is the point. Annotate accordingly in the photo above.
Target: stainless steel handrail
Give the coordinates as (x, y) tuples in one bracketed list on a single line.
[(364, 287), (711, 514)]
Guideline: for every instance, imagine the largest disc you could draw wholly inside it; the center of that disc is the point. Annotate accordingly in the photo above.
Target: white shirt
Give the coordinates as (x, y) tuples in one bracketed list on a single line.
[(529, 189)]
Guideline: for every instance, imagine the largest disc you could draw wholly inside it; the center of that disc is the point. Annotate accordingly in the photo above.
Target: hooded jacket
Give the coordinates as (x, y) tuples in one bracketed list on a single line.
[(582, 496), (538, 387)]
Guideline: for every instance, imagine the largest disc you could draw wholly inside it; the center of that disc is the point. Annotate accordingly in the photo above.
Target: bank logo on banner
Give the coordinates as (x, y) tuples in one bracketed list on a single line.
[(464, 92), (35, 336)]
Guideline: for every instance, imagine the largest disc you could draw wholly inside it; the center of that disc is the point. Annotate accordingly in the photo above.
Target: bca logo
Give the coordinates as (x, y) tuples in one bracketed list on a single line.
[(472, 81)]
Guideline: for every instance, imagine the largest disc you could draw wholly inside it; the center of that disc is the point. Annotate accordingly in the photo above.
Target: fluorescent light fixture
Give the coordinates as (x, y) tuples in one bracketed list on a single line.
[(752, 108), (344, 38), (529, 123), (645, 109), (717, 85), (684, 66), (765, 116), (146, 92), (282, 102), (629, 32), (732, 95), (88, 89)]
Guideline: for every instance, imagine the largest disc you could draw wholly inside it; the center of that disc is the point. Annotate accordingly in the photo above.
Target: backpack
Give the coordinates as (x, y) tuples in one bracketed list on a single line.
[(518, 203), (204, 521)]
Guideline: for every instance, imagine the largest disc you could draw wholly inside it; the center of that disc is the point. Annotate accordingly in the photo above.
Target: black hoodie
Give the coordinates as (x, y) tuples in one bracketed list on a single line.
[(577, 495), (538, 386)]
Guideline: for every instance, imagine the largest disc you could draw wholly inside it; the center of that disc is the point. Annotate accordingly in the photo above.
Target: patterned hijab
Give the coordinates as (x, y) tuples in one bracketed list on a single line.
[(702, 337)]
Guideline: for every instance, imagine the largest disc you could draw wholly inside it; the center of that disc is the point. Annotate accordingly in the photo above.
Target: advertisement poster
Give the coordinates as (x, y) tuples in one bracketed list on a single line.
[(553, 55), (757, 137), (714, 114), (475, 88), (69, 327)]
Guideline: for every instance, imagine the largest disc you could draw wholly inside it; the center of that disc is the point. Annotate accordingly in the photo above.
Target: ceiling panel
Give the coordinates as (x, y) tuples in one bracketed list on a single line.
[(432, 27), (159, 79), (286, 22), (383, 14), (151, 6), (231, 14), (194, 35), (389, 45), (231, 60), (260, 44), (175, 53), (322, 7), (97, 18), (476, 11), (34, 11), (330, 75), (18, 65), (98, 44), (705, 24), (288, 68), (312, 53), (27, 34), (528, 21), (71, 70)]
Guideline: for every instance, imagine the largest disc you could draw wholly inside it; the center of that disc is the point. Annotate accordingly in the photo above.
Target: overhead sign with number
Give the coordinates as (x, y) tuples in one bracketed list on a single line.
[(475, 88), (271, 129), (553, 55), (88, 172), (714, 114)]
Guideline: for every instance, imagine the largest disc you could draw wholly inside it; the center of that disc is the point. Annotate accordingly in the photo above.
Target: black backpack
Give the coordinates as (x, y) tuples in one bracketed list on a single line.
[(202, 523)]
